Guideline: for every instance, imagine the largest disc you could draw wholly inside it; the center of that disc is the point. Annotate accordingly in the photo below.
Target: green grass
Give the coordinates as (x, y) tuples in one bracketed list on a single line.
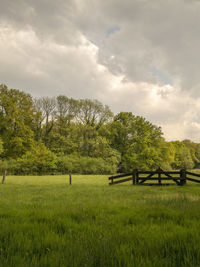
[(46, 222)]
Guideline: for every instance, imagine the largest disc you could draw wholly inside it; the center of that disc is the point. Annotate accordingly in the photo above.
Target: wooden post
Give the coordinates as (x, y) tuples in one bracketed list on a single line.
[(4, 176), (137, 176), (70, 179), (134, 177), (182, 177), (159, 175)]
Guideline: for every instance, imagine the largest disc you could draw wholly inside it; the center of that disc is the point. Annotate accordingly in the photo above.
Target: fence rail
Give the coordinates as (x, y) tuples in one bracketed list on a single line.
[(193, 174), (155, 177)]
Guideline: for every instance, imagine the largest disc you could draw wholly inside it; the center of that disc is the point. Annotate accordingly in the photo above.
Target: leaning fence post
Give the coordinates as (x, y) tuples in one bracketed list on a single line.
[(70, 179), (4, 176)]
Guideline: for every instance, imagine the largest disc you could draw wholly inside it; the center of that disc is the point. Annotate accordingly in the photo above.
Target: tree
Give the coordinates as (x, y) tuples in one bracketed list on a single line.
[(46, 108), (194, 151), (16, 121), (64, 134), (67, 109), (41, 130), (93, 144), (79, 128), (139, 142), (167, 155), (64, 139), (93, 113), (197, 154), (182, 157)]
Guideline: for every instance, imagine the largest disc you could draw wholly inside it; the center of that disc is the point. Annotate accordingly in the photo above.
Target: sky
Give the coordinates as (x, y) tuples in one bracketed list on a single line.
[(137, 56)]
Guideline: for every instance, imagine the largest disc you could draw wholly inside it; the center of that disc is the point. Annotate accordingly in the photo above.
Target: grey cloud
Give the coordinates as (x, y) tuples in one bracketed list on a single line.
[(49, 19), (49, 68), (42, 51), (164, 34)]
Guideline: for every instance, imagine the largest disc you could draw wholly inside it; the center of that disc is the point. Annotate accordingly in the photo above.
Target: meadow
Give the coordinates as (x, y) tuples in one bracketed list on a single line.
[(46, 222)]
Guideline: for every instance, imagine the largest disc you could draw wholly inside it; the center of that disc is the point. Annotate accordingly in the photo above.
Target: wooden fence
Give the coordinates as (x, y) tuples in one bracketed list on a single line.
[(155, 177)]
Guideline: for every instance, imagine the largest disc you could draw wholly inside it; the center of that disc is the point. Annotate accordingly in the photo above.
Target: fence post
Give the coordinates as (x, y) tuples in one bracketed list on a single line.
[(182, 177), (70, 179), (159, 175), (137, 176), (134, 176), (4, 176)]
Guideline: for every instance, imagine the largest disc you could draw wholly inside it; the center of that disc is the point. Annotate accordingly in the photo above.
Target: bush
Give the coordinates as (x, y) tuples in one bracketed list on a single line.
[(84, 165), (42, 161), (38, 161)]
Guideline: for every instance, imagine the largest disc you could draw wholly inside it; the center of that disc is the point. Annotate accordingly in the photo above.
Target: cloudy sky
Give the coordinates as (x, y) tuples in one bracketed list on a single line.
[(134, 55)]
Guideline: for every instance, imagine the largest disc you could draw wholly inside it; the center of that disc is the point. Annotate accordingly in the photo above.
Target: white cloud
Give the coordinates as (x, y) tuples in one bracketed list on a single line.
[(45, 67)]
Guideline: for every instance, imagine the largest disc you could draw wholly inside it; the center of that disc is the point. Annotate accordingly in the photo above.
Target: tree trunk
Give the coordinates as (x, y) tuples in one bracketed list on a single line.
[(4, 176)]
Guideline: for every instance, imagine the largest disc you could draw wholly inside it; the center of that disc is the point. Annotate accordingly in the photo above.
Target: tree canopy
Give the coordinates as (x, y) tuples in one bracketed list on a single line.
[(60, 134)]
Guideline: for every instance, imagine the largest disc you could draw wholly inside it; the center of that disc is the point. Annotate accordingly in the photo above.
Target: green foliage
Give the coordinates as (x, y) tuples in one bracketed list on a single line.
[(182, 157), (42, 161), (37, 161), (85, 165), (1, 146), (63, 144), (194, 152), (93, 113), (141, 143), (92, 143), (16, 114), (82, 130)]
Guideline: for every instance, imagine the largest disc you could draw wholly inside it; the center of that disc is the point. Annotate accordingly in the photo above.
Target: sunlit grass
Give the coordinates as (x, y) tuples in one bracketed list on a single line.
[(46, 222)]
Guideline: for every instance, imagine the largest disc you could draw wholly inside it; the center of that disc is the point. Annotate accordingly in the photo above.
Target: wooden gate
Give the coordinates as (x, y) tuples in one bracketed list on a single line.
[(158, 177)]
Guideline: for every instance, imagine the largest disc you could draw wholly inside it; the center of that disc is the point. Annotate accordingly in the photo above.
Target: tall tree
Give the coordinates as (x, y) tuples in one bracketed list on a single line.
[(16, 121), (93, 113), (46, 108), (182, 157), (194, 151), (138, 141)]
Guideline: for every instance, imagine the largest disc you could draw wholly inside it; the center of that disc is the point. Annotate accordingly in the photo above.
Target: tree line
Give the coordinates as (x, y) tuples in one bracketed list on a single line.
[(52, 135)]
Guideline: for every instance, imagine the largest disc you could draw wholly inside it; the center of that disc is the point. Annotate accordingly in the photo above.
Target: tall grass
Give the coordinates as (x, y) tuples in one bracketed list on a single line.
[(46, 222)]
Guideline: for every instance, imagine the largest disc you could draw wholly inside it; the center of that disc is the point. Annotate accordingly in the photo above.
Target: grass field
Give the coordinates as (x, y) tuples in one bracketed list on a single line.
[(46, 222)]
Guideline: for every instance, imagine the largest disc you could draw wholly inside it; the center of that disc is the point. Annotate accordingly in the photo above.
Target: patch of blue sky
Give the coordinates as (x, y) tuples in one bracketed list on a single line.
[(162, 77), (112, 30)]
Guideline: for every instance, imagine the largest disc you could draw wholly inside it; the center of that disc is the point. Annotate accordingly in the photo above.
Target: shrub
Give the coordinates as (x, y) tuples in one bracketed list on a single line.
[(37, 161), (84, 165), (42, 161)]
